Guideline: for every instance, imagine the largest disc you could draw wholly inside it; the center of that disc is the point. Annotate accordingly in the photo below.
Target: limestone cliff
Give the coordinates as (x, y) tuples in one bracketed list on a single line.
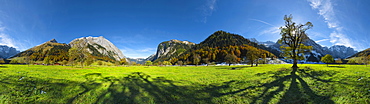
[(171, 48), (98, 46)]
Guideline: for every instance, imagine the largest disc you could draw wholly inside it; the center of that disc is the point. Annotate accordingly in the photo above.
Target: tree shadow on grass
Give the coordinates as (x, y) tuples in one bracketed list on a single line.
[(25, 89), (298, 91), (141, 88), (286, 86), (137, 87)]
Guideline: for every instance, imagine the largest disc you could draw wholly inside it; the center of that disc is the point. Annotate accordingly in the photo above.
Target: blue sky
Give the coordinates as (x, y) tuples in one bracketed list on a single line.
[(138, 26)]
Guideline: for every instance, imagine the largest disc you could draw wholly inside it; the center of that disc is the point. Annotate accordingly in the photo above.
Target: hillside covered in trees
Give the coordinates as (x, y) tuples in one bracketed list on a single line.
[(222, 47), (51, 50), (82, 51)]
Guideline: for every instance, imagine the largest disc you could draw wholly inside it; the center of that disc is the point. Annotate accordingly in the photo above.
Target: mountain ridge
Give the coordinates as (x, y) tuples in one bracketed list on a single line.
[(318, 51), (98, 48), (170, 48), (100, 44), (7, 52)]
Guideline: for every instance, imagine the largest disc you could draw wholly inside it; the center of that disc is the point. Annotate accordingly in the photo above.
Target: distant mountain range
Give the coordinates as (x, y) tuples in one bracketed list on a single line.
[(363, 53), (337, 51), (224, 39), (212, 49), (7, 52), (98, 48)]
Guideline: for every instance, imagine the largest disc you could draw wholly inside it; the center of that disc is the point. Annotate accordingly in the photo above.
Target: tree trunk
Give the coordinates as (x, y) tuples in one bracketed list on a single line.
[(295, 62), (229, 64)]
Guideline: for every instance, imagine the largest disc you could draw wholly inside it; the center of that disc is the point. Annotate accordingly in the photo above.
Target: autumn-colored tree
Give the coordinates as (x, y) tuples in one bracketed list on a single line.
[(123, 61), (64, 62), (117, 63), (72, 56), (166, 63), (2, 61), (47, 60), (367, 58), (14, 61), (174, 60), (179, 63), (230, 59), (78, 54), (100, 63), (206, 60), (292, 36), (327, 59), (133, 63), (148, 63), (253, 54), (339, 61), (196, 59), (89, 61)]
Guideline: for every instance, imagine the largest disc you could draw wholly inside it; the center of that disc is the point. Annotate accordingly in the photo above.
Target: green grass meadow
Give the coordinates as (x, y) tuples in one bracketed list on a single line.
[(347, 84)]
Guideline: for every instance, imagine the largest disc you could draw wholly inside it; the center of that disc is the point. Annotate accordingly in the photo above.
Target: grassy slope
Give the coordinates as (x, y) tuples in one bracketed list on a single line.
[(213, 84)]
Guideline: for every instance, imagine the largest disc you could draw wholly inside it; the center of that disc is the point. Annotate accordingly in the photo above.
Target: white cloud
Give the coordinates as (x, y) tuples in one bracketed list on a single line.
[(263, 22), (340, 39), (272, 30), (147, 50), (211, 4), (208, 9), (321, 40), (137, 53), (6, 40), (326, 10), (315, 3)]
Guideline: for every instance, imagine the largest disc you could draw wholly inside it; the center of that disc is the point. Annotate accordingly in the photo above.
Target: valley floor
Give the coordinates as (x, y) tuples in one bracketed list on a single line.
[(311, 83)]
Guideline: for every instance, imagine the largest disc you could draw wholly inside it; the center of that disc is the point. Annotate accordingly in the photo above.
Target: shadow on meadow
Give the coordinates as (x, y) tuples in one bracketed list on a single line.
[(303, 85), (298, 91), (141, 88), (24, 89)]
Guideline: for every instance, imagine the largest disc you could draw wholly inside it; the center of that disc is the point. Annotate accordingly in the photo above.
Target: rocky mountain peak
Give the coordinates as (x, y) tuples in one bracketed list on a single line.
[(98, 45), (7, 52), (178, 41), (171, 48), (318, 51), (53, 41)]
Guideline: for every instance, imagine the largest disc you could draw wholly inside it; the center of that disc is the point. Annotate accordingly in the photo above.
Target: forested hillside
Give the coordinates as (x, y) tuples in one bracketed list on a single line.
[(221, 47)]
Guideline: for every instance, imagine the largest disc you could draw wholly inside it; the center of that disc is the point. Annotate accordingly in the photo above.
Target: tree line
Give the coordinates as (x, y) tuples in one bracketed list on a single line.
[(229, 54)]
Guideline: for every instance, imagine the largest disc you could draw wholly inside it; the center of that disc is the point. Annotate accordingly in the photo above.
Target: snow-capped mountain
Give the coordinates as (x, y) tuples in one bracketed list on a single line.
[(341, 51), (137, 60), (318, 51), (7, 52)]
